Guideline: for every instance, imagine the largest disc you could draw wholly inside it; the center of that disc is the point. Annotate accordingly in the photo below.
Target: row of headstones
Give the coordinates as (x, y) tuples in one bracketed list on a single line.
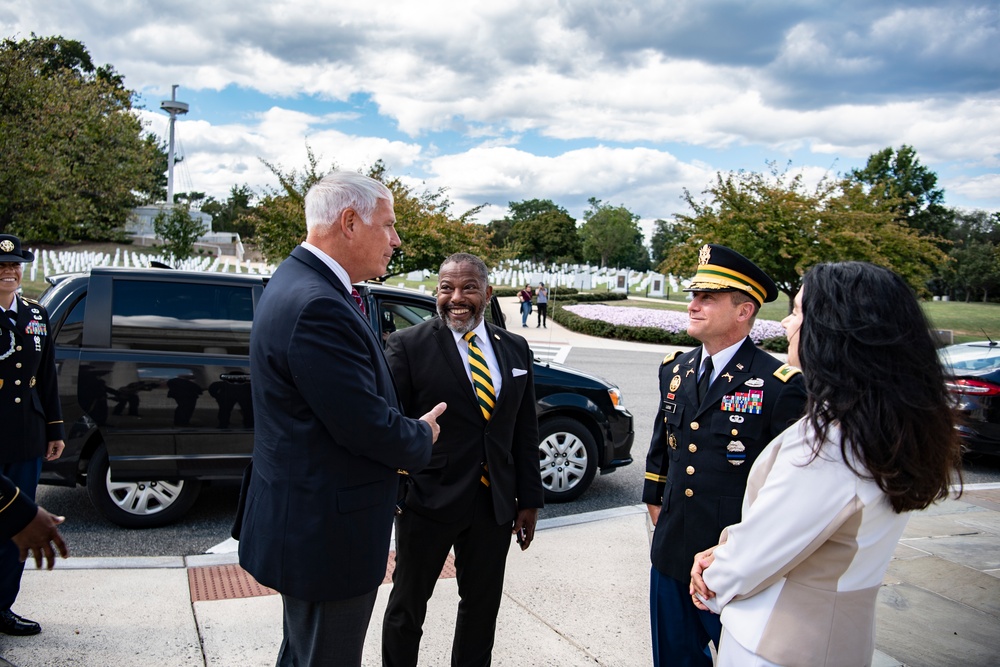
[(50, 262)]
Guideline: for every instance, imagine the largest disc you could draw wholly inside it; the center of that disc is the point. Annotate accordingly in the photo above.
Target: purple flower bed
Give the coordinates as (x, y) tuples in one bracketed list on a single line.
[(668, 320)]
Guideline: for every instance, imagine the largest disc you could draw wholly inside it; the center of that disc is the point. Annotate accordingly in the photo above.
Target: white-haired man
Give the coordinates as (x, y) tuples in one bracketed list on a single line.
[(328, 433)]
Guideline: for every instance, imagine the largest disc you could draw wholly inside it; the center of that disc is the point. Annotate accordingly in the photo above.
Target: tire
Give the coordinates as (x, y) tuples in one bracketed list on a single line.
[(567, 459), (137, 504)]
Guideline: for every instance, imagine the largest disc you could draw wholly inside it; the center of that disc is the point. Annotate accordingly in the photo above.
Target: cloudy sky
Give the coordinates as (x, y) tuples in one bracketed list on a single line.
[(561, 100)]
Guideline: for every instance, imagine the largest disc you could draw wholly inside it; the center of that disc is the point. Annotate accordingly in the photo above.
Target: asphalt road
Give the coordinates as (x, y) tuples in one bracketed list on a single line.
[(209, 521)]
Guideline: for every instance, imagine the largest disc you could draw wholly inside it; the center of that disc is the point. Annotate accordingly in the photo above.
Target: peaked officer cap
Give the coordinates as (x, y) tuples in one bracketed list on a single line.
[(722, 269)]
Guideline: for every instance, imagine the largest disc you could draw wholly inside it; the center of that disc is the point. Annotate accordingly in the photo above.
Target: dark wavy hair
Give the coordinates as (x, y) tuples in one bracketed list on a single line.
[(871, 367)]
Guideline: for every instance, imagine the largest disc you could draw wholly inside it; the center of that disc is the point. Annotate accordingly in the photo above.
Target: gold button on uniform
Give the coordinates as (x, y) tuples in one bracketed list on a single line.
[(18, 364), (695, 426), (17, 400), (690, 470), (735, 432), (17, 383), (692, 448), (688, 492)]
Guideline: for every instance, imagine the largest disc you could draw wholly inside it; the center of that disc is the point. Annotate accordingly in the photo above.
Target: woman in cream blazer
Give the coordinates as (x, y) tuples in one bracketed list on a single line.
[(826, 502)]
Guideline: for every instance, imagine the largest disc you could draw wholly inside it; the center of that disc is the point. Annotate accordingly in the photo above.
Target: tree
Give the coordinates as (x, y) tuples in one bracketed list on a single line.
[(232, 215), (898, 175), (611, 237), (74, 157), (784, 228), (178, 229), (423, 221), (543, 231), (974, 270), (665, 237)]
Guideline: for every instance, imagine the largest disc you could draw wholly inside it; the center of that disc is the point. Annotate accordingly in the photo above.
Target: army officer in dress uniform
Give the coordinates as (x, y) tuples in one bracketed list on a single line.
[(29, 410), (720, 405)]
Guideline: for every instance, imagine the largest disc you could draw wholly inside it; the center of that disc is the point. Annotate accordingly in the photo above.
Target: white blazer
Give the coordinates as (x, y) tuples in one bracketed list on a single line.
[(797, 578)]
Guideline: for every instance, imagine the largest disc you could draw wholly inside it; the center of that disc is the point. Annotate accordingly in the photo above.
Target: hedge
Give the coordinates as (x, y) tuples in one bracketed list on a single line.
[(604, 329)]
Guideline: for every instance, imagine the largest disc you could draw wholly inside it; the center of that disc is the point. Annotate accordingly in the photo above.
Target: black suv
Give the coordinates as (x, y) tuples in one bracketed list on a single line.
[(154, 378)]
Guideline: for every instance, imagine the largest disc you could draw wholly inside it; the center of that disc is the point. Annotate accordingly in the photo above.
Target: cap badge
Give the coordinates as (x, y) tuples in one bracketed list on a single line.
[(704, 255), (7, 245)]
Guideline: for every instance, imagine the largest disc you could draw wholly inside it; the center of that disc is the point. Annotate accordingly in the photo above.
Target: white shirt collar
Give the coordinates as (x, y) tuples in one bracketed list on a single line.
[(334, 266)]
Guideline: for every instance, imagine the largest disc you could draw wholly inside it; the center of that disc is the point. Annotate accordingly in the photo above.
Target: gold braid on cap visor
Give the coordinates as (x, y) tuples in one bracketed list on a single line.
[(718, 277)]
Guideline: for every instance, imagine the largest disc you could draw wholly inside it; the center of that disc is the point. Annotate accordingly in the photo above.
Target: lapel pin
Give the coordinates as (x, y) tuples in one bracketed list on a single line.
[(729, 378)]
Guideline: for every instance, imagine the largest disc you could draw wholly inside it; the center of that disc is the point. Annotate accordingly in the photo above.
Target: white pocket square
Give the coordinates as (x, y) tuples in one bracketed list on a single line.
[(518, 372)]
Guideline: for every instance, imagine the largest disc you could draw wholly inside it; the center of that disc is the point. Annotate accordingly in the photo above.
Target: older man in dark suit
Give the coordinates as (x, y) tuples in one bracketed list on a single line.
[(329, 435), (482, 484)]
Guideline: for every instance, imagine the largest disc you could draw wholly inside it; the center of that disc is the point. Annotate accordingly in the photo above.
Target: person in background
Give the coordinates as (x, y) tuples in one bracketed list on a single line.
[(329, 435), (524, 296), (542, 301), (720, 404), (796, 579), (482, 484), (29, 411)]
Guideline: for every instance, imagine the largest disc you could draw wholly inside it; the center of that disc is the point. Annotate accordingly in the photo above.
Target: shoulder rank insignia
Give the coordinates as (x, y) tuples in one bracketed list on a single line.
[(670, 357), (786, 372)]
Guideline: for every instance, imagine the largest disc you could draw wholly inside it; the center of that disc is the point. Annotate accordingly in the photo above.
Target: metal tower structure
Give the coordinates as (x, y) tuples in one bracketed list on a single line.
[(175, 109)]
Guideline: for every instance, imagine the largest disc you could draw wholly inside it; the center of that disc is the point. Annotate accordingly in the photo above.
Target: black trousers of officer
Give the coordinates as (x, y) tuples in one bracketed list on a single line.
[(422, 546), (25, 475)]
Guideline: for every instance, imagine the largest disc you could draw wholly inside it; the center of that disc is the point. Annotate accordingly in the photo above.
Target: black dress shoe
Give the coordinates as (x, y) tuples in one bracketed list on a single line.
[(12, 624)]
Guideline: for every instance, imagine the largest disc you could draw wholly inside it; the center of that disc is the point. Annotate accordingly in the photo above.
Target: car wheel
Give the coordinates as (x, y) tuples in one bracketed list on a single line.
[(567, 457), (137, 504)]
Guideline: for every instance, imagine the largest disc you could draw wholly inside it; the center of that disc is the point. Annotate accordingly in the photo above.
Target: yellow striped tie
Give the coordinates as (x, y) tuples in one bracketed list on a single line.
[(480, 377)]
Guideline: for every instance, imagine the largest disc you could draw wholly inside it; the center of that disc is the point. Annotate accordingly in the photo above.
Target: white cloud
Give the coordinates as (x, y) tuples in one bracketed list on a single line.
[(523, 99)]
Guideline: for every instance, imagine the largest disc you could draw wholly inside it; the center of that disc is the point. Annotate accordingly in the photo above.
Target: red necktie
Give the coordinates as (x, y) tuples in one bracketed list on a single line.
[(361, 303)]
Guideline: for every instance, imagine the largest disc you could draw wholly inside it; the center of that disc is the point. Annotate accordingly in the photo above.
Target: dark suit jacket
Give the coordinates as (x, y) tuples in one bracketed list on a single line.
[(429, 369), (16, 509), (701, 451), (328, 439), (29, 389)]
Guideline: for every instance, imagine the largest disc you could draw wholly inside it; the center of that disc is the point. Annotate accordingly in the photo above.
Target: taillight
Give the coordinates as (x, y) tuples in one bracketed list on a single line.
[(973, 387)]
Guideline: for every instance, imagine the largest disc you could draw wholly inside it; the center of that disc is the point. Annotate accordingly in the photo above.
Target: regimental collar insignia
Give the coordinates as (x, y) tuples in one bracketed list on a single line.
[(704, 255), (689, 372), (729, 378)]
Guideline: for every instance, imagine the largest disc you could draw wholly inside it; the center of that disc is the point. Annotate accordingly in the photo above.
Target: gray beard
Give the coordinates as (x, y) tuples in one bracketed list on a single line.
[(464, 328)]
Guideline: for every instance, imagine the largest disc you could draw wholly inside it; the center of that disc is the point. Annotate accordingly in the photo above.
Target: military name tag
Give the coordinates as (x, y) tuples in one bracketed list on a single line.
[(669, 407)]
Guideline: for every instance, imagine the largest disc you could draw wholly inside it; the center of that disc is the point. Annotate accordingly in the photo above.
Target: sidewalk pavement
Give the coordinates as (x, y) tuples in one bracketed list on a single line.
[(577, 597)]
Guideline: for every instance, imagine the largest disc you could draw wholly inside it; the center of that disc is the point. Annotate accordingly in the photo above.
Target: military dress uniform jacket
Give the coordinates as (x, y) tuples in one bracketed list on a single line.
[(701, 452), (16, 509), (29, 389)]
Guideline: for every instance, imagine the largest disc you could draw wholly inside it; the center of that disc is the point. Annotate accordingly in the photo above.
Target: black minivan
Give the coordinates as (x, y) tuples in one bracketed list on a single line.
[(154, 379)]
